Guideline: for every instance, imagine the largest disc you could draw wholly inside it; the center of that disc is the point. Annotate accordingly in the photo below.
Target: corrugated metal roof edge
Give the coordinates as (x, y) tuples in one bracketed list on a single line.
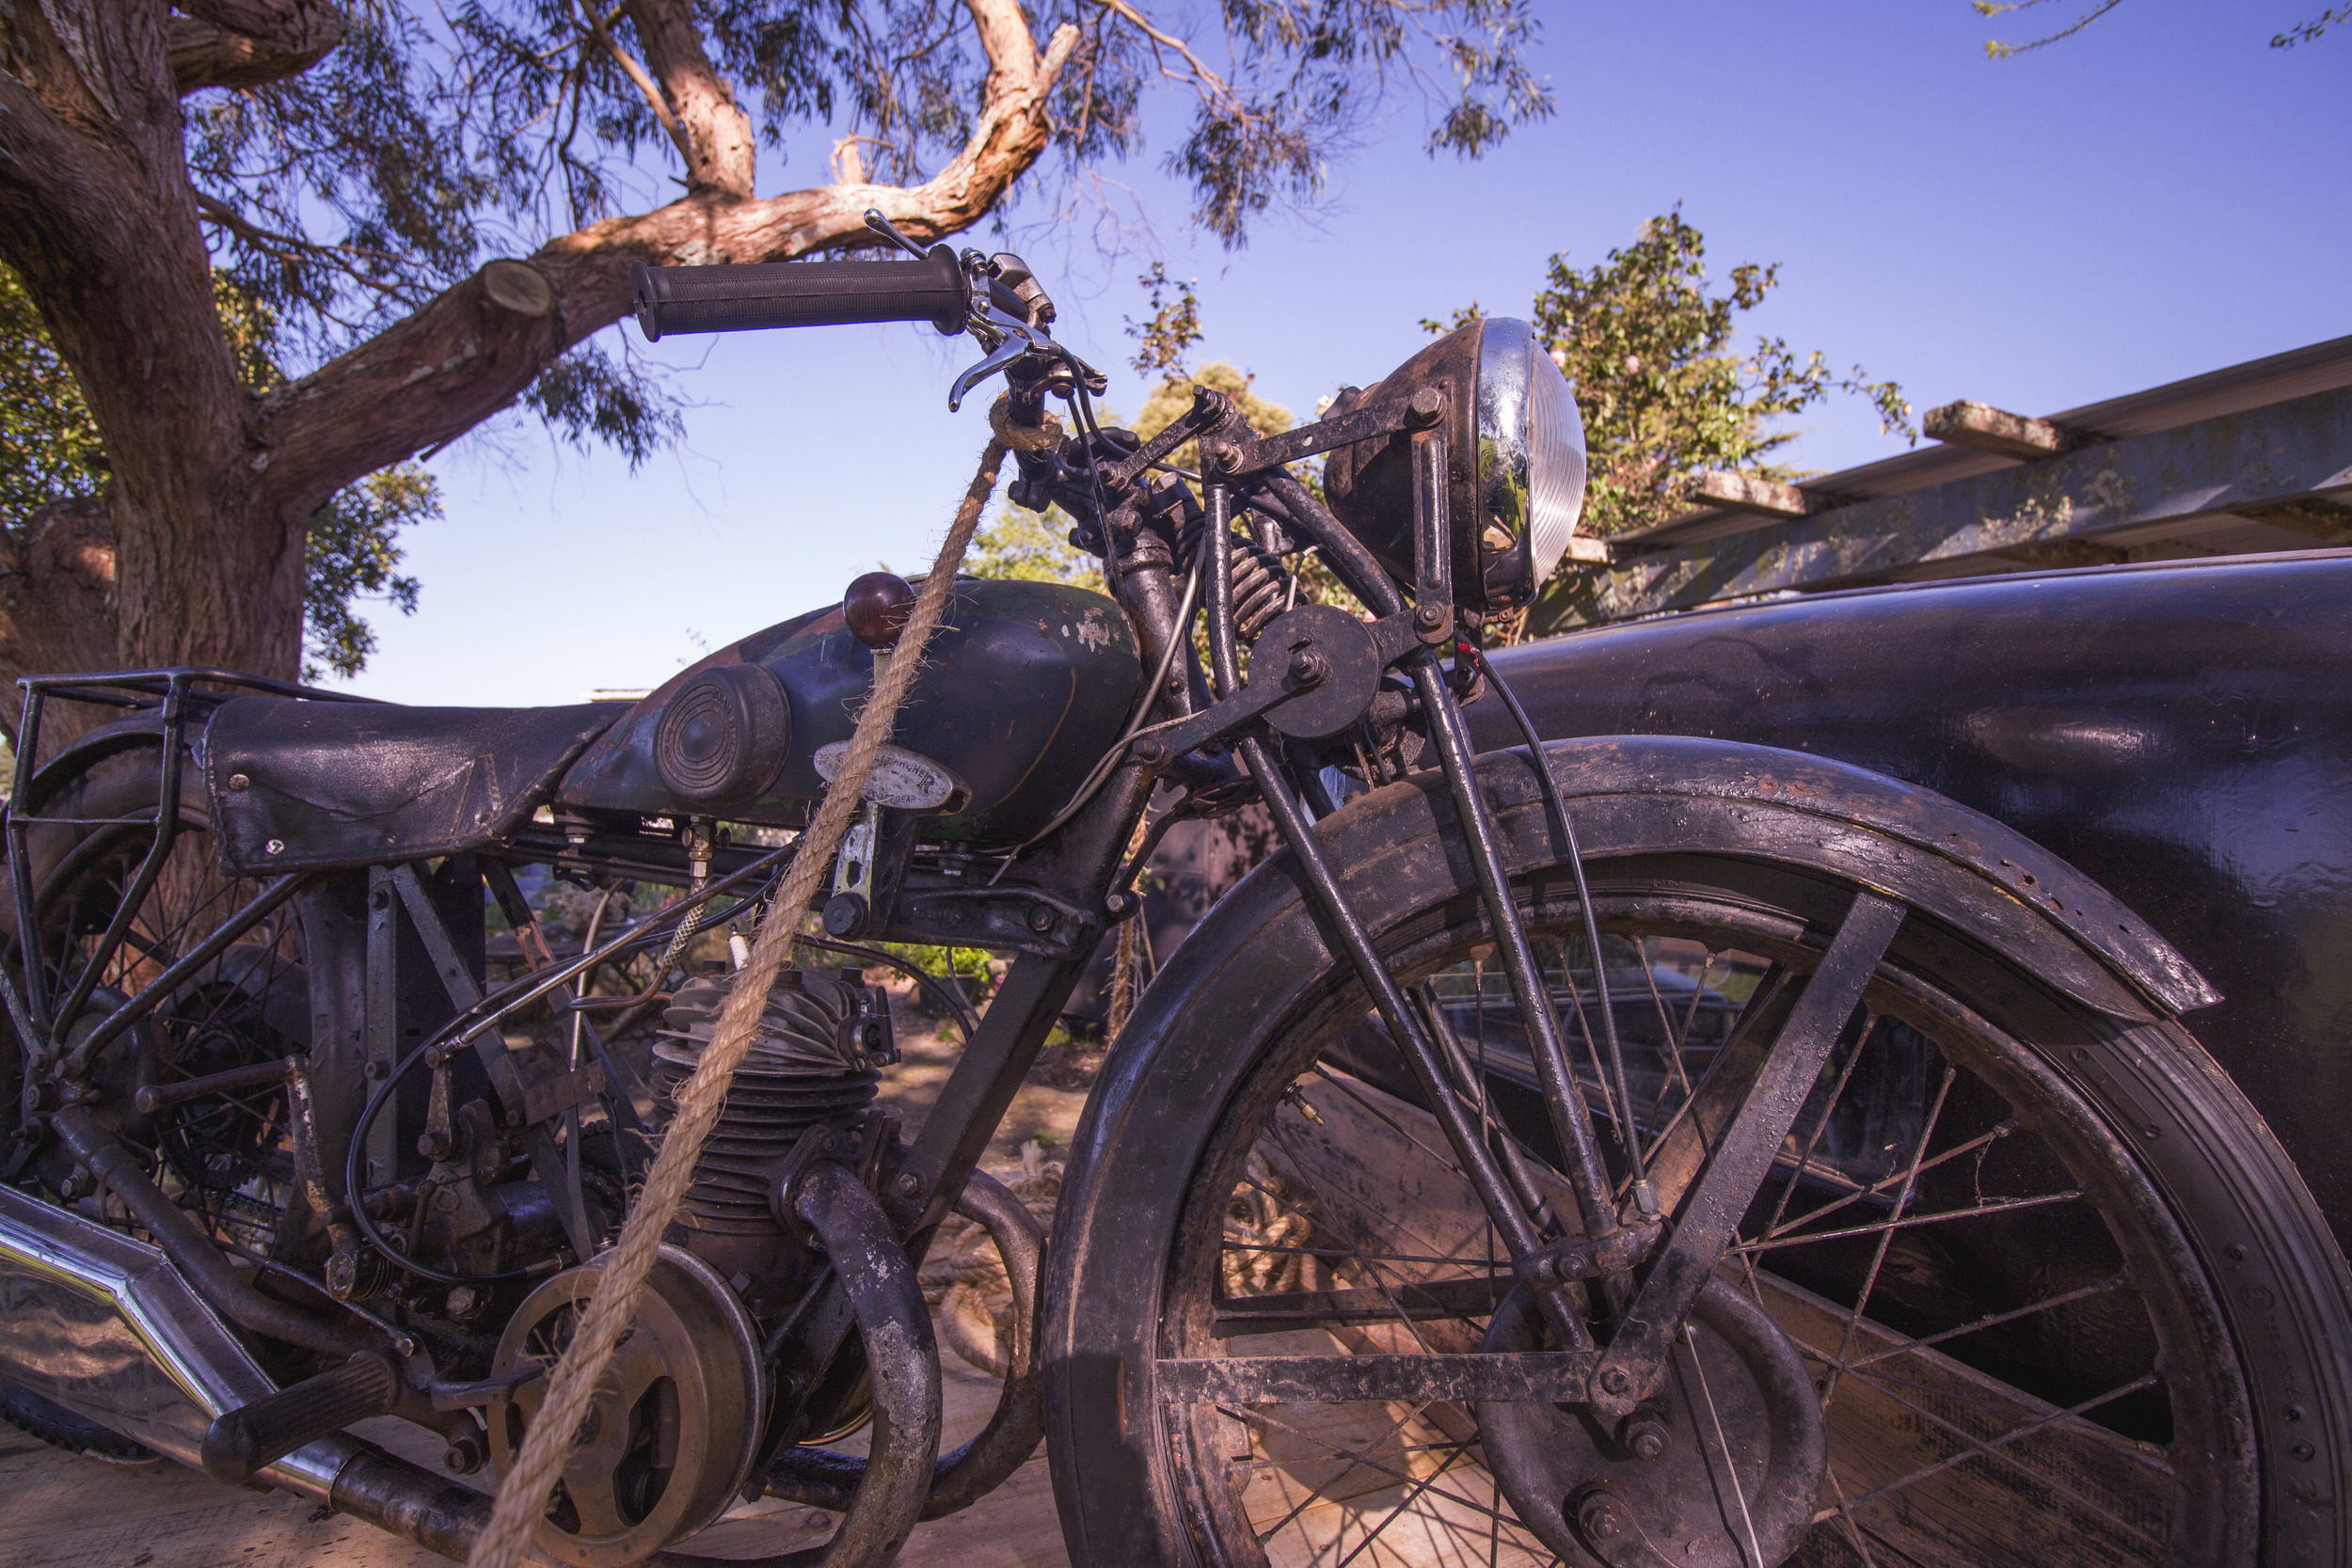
[(2276, 378)]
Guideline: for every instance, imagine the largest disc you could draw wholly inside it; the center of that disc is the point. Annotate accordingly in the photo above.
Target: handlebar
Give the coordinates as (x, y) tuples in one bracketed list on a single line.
[(748, 297)]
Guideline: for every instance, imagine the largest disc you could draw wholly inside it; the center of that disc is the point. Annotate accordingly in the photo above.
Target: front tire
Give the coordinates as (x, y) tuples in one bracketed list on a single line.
[(2138, 1365)]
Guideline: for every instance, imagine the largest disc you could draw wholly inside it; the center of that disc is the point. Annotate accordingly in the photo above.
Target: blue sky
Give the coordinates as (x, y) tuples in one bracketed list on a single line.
[(2160, 196)]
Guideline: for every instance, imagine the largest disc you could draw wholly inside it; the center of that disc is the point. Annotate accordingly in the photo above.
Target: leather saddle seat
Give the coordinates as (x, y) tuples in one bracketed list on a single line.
[(300, 785)]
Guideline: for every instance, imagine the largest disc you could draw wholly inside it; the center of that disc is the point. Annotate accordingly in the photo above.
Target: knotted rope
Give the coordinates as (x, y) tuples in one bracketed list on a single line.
[(523, 1494)]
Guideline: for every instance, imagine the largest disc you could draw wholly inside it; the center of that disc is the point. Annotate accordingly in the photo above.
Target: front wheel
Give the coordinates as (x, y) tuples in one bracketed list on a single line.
[(2051, 1289)]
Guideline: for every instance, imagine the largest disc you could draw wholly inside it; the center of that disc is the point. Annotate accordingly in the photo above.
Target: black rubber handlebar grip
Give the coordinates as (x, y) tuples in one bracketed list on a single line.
[(240, 1444), (799, 294)]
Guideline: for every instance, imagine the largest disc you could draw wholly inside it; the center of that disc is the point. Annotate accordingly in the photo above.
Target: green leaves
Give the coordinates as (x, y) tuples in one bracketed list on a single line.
[(351, 557), (1664, 392), (49, 445)]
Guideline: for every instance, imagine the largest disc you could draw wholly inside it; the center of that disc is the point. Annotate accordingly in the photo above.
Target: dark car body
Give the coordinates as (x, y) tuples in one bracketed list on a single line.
[(2180, 732)]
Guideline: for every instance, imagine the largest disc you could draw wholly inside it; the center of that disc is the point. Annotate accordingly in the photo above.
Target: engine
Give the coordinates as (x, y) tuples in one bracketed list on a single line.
[(814, 1060)]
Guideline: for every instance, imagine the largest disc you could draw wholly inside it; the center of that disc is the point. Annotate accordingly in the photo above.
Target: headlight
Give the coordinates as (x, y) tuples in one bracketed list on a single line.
[(1516, 452)]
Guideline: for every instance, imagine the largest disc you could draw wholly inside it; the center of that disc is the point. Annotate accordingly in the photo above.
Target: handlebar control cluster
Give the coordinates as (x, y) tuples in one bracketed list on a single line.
[(997, 298)]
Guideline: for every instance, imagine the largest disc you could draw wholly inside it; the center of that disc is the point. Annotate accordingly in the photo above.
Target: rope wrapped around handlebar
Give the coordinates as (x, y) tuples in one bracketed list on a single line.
[(524, 1494)]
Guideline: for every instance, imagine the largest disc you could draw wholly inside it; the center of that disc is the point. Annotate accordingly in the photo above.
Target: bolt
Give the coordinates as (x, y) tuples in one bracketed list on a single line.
[(240, 783), (910, 1184), (1040, 917), (1614, 1381), (1308, 668), (2236, 1251), (275, 847), (380, 898), (1429, 615), (1118, 903), (1426, 406), (1153, 751), (373, 1071), (1599, 1517), (462, 1300), (466, 1454), (1645, 1435)]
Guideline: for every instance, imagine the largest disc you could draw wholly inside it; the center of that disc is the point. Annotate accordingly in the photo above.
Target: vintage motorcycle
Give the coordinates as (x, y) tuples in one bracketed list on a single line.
[(1623, 1150)]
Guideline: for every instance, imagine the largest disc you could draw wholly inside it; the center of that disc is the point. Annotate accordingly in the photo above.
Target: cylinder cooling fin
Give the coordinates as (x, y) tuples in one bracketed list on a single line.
[(820, 1039)]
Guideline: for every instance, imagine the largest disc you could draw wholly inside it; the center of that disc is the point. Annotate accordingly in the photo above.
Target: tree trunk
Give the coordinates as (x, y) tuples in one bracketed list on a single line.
[(212, 487)]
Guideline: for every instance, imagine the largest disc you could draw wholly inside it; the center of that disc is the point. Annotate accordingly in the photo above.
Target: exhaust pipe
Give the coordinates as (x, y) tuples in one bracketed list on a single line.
[(111, 1329), (108, 1328), (822, 1479)]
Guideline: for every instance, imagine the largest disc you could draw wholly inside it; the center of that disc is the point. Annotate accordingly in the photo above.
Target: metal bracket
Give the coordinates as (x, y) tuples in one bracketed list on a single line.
[(1433, 541), (1709, 1218), (1391, 638), (1233, 459)]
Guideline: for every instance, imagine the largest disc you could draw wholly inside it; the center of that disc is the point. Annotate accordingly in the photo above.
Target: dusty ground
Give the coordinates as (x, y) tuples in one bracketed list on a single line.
[(1045, 1109), (60, 1512)]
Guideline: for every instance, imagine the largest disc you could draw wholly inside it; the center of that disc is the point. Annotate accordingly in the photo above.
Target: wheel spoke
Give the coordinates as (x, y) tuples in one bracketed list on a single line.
[(1956, 1363), (1912, 1222)]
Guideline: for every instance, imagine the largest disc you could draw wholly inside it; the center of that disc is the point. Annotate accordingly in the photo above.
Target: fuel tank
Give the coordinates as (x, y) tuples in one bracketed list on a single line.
[(1024, 688)]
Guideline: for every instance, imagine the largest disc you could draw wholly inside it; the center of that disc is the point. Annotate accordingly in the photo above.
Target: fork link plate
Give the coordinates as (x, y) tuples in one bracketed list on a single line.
[(1746, 1449)]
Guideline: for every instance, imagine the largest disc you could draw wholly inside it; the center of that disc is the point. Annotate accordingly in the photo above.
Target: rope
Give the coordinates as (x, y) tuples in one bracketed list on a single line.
[(523, 1496)]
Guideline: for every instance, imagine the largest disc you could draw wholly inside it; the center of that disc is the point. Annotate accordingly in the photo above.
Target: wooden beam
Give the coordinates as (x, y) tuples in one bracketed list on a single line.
[(2297, 451), (1982, 427), (1736, 492)]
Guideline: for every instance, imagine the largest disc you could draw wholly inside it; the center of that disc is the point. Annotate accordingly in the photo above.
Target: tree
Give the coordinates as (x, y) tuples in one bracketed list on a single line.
[(1664, 393), (54, 537), (440, 202)]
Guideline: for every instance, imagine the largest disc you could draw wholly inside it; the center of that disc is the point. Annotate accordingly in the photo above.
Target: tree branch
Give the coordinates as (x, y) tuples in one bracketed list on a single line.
[(245, 43), (646, 86), (717, 132), (466, 354)]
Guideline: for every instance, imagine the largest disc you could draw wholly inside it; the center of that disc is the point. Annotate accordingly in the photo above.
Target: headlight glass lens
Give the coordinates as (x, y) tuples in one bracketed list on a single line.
[(1531, 449), (1555, 465)]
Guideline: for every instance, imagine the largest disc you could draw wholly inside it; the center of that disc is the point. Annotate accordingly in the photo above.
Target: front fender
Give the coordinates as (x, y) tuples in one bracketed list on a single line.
[(1256, 956)]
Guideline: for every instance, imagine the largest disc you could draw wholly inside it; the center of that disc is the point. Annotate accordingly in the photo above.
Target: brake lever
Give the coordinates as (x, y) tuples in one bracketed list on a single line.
[(1014, 337)]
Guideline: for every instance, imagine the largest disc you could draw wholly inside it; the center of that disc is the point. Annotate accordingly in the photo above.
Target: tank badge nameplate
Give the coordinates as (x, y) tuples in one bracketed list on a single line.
[(901, 780)]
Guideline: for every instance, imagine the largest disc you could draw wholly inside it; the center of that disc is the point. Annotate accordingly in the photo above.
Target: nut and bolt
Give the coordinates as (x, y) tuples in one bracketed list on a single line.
[(275, 847), (1152, 752), (466, 1454), (374, 1071), (1308, 668), (1040, 917), (1599, 1517), (1615, 1381), (910, 1184), (238, 783), (1645, 1435), (1426, 406), (1429, 615)]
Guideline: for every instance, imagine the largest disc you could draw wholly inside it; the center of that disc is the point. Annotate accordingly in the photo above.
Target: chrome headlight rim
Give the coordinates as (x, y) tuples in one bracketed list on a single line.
[(1516, 464), (1531, 468)]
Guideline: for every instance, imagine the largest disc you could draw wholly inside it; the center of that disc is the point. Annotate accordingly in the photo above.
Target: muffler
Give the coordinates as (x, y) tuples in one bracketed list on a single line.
[(106, 1326)]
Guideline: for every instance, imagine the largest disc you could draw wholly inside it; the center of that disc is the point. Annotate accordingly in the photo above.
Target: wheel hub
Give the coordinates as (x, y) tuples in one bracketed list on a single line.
[(1719, 1472), (675, 1424)]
